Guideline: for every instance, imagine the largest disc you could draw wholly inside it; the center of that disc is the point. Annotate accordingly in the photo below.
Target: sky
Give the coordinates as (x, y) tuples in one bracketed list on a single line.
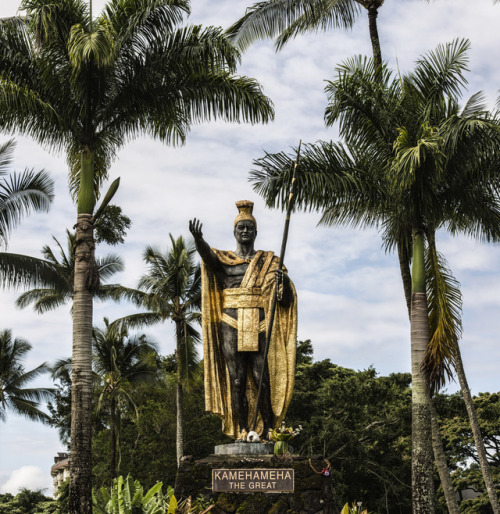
[(351, 302)]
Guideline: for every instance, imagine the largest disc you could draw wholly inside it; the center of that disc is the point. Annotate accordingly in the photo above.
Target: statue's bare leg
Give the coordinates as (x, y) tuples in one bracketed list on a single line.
[(237, 364), (259, 367)]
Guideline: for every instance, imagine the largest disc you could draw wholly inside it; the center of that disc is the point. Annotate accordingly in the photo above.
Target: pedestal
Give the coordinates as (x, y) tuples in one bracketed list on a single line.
[(313, 492), (243, 448)]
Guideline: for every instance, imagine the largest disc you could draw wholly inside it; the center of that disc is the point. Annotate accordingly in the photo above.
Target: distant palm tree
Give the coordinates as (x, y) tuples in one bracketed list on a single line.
[(171, 289), (120, 361), (88, 86), (14, 396), (20, 193), (44, 299)]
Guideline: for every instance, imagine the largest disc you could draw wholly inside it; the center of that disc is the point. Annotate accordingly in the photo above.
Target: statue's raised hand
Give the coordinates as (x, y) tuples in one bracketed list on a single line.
[(195, 229)]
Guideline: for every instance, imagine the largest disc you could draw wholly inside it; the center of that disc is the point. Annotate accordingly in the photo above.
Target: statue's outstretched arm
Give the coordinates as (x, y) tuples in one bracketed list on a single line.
[(206, 253)]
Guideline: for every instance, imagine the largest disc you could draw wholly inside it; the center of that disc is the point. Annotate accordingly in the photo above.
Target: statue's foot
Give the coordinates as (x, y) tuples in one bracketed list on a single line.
[(266, 434), (243, 435)]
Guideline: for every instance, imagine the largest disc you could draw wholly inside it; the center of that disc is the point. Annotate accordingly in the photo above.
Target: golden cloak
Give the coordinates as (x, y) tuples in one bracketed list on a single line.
[(282, 347)]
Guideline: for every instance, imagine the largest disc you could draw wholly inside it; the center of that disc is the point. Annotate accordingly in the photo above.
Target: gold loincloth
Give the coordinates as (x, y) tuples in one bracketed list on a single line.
[(248, 301)]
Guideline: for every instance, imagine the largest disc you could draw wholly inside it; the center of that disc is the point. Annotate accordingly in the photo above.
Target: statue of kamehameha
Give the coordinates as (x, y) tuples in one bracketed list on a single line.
[(237, 295)]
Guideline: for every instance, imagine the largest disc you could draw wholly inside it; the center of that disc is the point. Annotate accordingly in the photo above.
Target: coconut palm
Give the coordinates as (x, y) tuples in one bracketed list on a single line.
[(20, 193), (285, 19), (412, 163), (14, 395), (90, 85), (120, 362), (171, 289), (44, 299)]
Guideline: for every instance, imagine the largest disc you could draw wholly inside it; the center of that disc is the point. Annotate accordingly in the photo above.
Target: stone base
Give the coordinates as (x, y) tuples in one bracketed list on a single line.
[(313, 492), (243, 448)]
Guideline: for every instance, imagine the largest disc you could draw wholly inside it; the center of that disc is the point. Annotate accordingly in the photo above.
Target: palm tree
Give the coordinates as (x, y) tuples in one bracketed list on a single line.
[(90, 85), (412, 163), (285, 19), (14, 395), (120, 362), (48, 298), (171, 289), (20, 193)]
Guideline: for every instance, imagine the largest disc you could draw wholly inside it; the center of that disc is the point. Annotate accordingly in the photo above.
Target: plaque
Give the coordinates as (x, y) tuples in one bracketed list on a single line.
[(278, 480)]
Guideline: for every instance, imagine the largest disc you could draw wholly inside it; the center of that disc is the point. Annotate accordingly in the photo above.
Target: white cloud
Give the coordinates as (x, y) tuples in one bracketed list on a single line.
[(28, 477)]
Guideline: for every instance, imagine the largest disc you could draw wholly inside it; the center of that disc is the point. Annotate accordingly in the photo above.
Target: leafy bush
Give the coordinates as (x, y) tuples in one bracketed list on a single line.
[(127, 497)]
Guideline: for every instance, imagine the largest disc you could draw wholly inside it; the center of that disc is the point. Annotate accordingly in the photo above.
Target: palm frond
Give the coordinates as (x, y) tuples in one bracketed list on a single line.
[(284, 19), (51, 22), (445, 308), (97, 46), (442, 71), (20, 194), (366, 102), (6, 155), (13, 379), (21, 270), (411, 156), (109, 265), (133, 20), (62, 369), (43, 300), (139, 320), (325, 15)]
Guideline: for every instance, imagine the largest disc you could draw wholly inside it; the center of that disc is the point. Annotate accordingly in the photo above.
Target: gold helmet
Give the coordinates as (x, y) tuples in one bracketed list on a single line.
[(245, 208)]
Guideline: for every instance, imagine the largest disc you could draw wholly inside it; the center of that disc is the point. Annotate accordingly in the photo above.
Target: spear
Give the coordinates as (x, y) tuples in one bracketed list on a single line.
[(291, 199)]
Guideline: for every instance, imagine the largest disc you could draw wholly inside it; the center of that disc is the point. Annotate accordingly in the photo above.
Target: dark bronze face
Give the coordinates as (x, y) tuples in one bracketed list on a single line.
[(245, 232)]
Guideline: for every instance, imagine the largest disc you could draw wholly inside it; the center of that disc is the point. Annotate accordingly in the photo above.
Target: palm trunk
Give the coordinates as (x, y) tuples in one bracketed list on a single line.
[(112, 430), (476, 432), (422, 470), (179, 439), (80, 497), (85, 281), (372, 24), (442, 464), (437, 443), (404, 267)]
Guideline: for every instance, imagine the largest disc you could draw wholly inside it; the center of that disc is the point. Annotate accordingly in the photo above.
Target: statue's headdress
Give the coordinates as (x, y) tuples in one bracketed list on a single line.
[(245, 208)]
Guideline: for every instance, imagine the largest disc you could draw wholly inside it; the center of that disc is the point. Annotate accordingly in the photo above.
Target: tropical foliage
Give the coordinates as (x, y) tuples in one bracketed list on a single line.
[(357, 420), (120, 362), (28, 501), (147, 444), (171, 289), (127, 497)]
